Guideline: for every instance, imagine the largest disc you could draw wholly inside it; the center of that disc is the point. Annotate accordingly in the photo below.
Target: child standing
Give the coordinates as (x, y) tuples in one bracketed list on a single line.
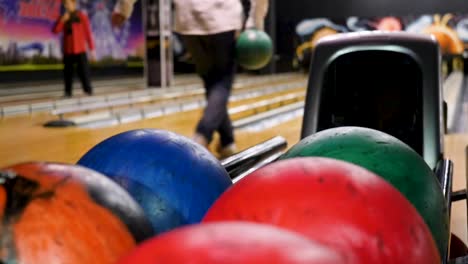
[(77, 37)]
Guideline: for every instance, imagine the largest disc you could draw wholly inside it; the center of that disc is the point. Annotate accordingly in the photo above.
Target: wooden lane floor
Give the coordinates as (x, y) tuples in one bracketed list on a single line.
[(100, 88), (145, 97), (239, 108), (11, 126), (34, 92), (197, 94), (46, 93), (23, 138)]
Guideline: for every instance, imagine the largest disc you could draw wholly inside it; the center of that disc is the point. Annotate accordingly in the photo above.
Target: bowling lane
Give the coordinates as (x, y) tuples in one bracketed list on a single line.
[(33, 142), (37, 93), (129, 101), (23, 138), (34, 92), (19, 123), (179, 97)]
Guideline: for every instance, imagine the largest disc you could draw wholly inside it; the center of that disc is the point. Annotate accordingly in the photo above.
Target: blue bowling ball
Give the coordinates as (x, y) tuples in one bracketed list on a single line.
[(174, 179)]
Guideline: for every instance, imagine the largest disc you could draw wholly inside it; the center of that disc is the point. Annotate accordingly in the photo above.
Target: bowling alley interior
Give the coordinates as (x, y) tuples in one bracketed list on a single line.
[(233, 131)]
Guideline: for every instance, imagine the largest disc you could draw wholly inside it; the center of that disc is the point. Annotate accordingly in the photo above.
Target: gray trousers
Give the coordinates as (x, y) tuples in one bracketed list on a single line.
[(214, 58)]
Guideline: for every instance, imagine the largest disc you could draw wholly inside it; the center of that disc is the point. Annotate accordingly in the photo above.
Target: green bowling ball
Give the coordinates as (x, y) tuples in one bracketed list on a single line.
[(254, 49), (390, 158)]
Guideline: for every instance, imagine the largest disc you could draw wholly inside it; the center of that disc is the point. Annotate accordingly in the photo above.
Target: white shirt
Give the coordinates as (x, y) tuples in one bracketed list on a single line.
[(203, 17)]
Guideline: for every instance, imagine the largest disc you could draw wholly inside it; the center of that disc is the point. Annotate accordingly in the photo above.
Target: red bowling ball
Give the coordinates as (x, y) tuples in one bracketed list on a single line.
[(335, 203), (233, 242)]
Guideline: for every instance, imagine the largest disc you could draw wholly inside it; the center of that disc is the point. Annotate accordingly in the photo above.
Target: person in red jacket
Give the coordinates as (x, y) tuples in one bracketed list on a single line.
[(77, 38)]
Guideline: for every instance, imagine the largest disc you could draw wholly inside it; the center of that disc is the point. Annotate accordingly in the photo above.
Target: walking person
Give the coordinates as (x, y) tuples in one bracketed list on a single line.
[(209, 29)]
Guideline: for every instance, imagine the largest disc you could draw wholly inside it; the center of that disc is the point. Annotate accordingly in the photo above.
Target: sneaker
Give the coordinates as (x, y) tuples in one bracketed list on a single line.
[(227, 151), (200, 140)]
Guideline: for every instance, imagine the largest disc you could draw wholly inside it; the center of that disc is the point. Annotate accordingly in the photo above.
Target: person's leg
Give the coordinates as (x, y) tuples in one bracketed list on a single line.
[(68, 64), (83, 73), (214, 59), (227, 145), (196, 46), (223, 46), (215, 112)]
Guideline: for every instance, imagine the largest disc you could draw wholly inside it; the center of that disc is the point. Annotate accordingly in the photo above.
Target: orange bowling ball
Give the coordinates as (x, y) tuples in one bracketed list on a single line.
[(56, 213), (448, 39)]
